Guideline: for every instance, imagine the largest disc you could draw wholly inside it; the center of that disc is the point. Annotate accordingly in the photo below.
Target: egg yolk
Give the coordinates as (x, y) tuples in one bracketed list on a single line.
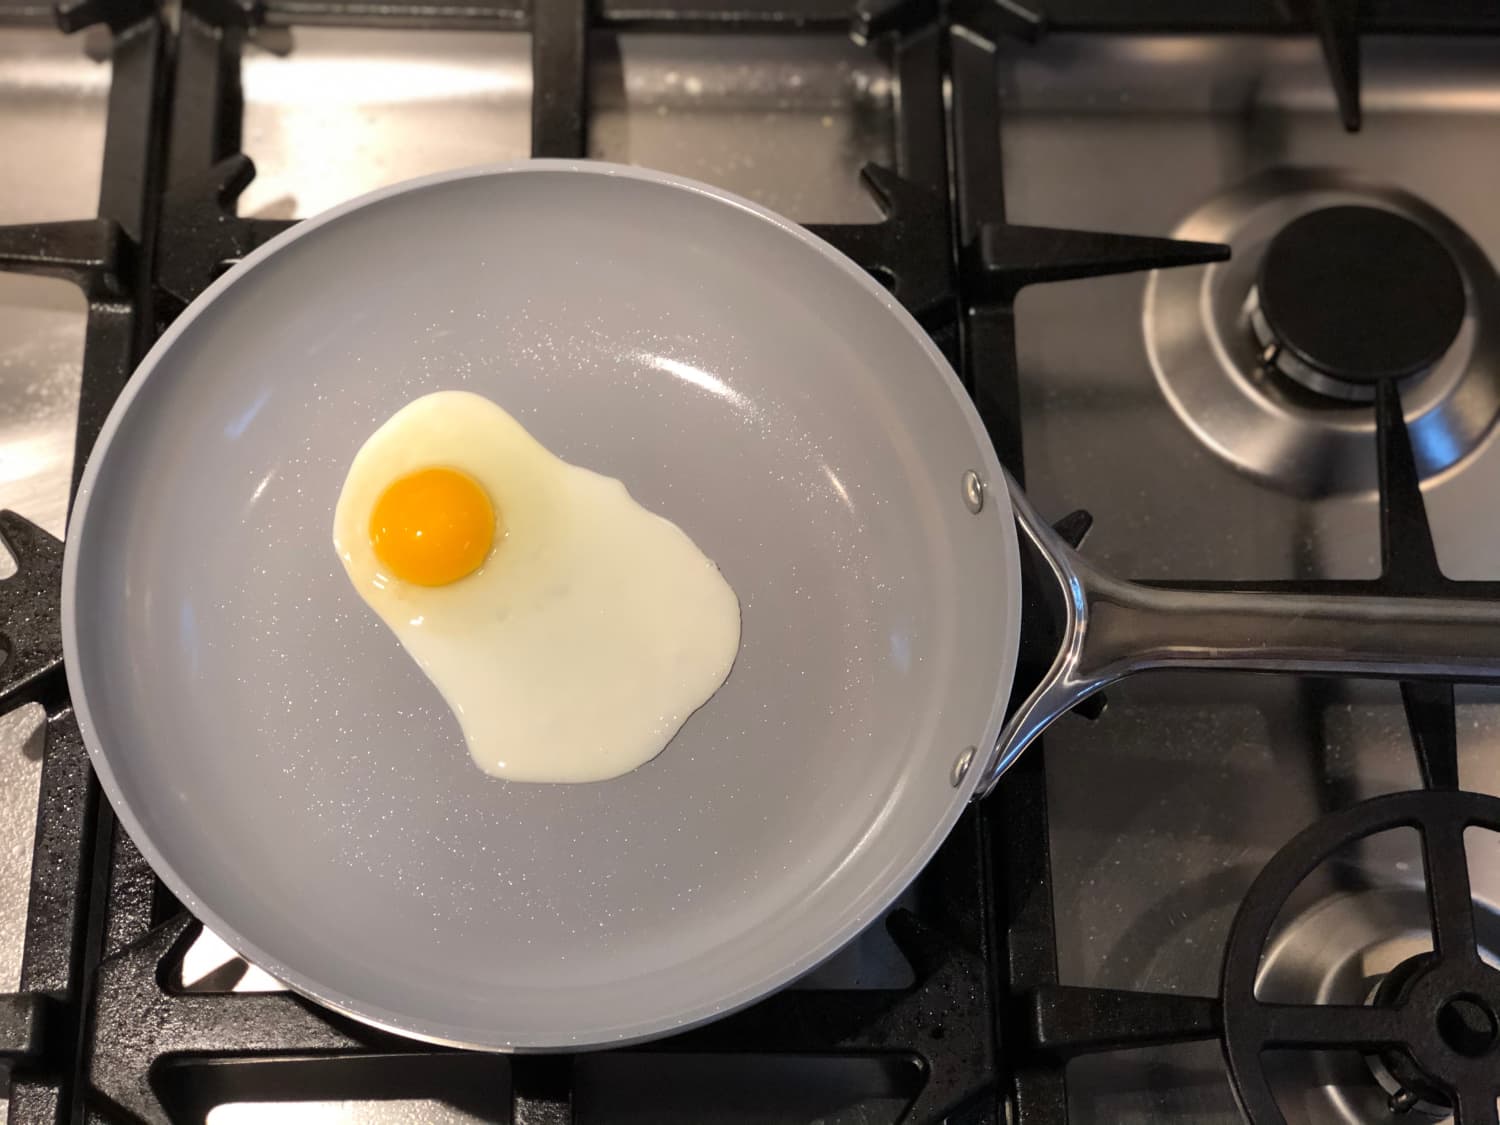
[(433, 527)]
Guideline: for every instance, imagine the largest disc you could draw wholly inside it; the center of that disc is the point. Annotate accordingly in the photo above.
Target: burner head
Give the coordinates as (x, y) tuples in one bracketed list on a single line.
[(1348, 296), (1407, 1085), (1466, 1024)]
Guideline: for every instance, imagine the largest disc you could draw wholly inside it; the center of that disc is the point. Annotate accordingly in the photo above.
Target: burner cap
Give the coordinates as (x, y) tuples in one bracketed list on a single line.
[(1398, 1074), (1359, 294)]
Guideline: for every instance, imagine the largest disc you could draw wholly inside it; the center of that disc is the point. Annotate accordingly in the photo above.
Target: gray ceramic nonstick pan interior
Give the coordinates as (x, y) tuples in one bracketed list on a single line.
[(300, 785)]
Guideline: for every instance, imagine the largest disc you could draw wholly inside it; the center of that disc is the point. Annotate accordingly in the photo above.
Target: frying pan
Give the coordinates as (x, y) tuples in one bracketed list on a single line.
[(302, 787)]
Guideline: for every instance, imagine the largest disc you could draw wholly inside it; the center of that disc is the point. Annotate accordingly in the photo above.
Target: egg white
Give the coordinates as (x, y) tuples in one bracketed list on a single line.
[(591, 632)]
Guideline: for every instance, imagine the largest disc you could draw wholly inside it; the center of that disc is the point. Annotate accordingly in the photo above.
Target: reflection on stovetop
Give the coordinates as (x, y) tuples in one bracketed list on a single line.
[(788, 122)]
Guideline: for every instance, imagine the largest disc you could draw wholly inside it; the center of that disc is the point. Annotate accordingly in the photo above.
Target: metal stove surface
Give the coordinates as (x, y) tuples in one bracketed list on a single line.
[(1163, 811)]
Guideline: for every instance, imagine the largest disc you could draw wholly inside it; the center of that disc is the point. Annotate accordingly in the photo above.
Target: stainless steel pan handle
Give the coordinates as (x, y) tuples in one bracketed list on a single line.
[(1112, 628)]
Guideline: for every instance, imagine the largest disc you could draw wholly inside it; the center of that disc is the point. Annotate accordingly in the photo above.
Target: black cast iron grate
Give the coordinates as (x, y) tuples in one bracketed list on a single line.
[(96, 1031)]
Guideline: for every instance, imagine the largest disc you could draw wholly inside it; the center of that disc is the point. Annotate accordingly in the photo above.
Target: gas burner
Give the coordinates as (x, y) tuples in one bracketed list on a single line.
[(1398, 984), (1407, 1089), (1348, 296), (1358, 946), (1466, 1024), (1336, 284)]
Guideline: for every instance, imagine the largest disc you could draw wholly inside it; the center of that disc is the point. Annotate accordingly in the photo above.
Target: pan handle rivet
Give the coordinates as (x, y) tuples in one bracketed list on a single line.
[(973, 491), (961, 766)]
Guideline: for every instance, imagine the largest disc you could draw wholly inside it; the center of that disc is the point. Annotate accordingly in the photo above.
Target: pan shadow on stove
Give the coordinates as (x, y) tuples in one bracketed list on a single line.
[(657, 1089)]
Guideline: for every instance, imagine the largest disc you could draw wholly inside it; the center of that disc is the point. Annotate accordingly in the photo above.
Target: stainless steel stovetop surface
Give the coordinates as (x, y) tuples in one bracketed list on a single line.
[(1164, 810)]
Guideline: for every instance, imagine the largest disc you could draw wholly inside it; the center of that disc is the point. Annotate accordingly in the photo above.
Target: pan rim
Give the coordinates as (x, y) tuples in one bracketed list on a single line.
[(1007, 569)]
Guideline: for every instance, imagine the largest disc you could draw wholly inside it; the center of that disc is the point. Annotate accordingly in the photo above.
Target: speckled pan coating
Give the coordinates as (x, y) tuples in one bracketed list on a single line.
[(300, 785)]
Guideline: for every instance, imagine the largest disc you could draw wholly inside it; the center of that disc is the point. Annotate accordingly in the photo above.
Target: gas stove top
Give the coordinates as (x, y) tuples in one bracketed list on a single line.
[(1216, 898)]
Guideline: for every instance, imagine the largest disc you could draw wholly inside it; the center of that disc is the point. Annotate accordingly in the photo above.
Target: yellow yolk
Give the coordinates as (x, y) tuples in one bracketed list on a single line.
[(433, 527)]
